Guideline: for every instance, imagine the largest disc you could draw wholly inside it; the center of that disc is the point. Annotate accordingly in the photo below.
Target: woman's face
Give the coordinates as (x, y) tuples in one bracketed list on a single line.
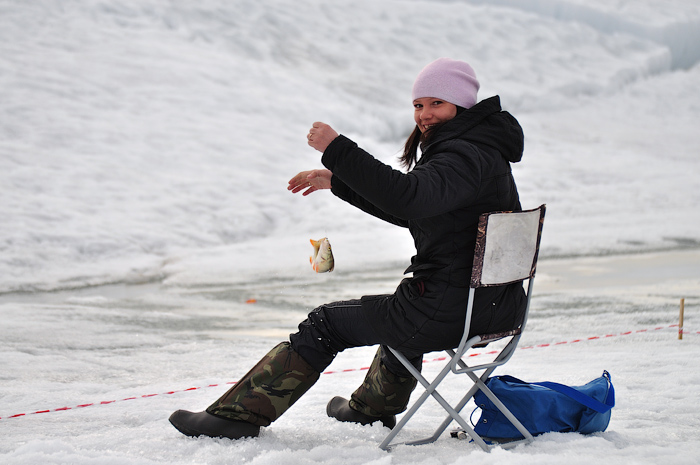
[(429, 111)]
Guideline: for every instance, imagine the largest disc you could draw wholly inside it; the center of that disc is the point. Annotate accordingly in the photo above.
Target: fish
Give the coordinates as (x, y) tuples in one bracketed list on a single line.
[(322, 259)]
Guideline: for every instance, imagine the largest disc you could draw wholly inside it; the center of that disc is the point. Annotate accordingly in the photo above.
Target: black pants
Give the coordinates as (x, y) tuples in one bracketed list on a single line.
[(334, 327)]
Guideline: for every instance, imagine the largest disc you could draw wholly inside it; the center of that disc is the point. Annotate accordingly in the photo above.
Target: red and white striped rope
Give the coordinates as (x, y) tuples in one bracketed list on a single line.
[(437, 359)]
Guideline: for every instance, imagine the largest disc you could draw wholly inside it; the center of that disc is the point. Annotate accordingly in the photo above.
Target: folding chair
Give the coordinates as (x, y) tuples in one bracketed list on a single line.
[(506, 252)]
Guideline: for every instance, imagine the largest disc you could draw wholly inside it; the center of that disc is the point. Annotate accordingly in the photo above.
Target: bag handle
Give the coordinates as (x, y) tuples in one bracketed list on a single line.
[(572, 393)]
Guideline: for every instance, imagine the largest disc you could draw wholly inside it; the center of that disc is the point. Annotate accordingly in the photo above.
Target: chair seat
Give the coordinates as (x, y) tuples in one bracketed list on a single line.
[(486, 339)]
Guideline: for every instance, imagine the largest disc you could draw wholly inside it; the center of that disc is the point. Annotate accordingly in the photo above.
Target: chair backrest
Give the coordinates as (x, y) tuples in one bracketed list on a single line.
[(507, 245)]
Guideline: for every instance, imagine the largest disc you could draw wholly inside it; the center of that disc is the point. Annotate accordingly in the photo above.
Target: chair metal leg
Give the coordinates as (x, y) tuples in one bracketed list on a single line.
[(385, 445), (454, 412), (430, 390), (460, 405)]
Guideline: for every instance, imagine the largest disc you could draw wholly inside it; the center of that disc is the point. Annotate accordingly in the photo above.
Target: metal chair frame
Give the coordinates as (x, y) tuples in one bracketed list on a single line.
[(490, 254)]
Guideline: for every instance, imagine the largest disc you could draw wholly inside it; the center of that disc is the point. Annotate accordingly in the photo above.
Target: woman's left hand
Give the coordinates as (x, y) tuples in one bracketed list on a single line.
[(320, 136), (311, 180)]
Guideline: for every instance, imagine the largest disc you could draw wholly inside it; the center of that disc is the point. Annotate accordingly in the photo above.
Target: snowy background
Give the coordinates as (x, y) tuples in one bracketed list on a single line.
[(145, 148)]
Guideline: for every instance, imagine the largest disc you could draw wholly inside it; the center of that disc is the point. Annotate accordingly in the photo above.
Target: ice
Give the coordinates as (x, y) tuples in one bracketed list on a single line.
[(145, 148)]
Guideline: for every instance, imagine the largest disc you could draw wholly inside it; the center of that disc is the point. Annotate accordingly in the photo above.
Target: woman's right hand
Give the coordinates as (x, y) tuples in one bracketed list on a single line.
[(311, 180)]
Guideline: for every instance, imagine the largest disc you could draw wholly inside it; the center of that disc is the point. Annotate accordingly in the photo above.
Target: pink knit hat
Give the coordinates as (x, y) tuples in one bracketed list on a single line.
[(447, 79)]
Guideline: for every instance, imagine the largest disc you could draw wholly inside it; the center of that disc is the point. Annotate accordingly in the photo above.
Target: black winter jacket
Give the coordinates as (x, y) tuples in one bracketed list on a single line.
[(463, 171)]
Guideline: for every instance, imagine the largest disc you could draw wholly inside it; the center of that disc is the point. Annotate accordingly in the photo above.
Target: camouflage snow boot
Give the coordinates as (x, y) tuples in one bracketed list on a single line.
[(277, 381), (381, 396)]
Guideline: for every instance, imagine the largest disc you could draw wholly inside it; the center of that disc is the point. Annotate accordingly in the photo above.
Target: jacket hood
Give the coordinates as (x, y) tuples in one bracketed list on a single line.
[(485, 125)]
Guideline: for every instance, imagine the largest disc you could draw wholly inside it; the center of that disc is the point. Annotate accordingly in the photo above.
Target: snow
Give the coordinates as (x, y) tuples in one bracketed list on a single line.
[(145, 148)]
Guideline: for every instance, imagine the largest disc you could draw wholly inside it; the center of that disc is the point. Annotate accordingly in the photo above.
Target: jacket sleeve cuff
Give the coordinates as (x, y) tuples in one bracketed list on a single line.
[(339, 188), (335, 149)]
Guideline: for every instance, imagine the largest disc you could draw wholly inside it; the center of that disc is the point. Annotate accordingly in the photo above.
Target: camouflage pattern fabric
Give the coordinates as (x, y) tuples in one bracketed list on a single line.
[(272, 386), (382, 392)]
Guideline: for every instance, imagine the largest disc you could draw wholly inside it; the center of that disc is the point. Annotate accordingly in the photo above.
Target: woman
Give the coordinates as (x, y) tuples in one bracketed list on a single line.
[(463, 171)]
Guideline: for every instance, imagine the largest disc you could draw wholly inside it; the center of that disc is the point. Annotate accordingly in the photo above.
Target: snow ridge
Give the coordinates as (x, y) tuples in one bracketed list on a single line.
[(680, 36)]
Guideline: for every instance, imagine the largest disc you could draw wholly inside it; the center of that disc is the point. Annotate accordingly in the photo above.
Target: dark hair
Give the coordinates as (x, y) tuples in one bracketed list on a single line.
[(410, 149)]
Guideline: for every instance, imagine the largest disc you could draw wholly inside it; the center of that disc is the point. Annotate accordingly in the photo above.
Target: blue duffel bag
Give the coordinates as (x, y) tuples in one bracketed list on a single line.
[(545, 407)]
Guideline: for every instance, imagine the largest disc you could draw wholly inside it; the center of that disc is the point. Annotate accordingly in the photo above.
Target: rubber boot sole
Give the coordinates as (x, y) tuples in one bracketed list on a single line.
[(339, 408), (205, 424)]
